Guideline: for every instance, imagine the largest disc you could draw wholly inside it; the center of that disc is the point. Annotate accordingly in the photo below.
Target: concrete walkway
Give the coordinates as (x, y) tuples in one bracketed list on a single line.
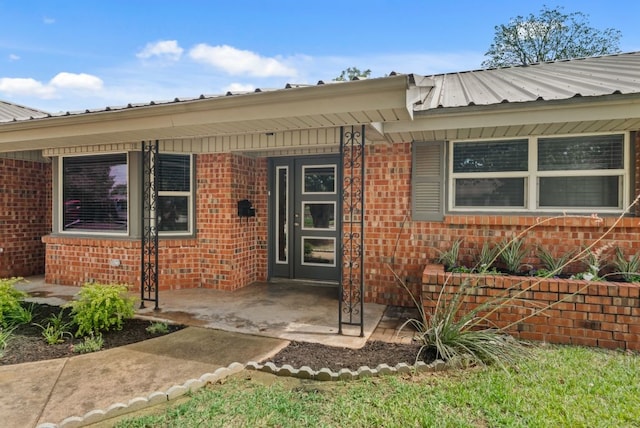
[(50, 391), (225, 327)]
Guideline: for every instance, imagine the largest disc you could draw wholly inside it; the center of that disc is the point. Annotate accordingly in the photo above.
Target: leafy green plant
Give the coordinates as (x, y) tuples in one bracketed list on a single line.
[(10, 302), (552, 265), (101, 307), (487, 258), (90, 343), (21, 315), (158, 328), (56, 329), (449, 258), (512, 252), (629, 269), (5, 336)]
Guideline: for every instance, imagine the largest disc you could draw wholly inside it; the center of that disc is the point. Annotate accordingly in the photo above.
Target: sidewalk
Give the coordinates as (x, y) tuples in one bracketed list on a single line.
[(50, 391)]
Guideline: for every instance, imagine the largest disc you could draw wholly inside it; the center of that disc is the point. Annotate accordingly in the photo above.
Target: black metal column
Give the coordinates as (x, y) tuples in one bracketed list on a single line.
[(149, 235), (351, 306)]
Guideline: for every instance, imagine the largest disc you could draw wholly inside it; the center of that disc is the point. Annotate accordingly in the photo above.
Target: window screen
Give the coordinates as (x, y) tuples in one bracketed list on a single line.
[(94, 193)]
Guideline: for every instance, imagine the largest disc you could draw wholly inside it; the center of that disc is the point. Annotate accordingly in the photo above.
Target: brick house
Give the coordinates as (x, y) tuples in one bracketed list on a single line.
[(475, 155)]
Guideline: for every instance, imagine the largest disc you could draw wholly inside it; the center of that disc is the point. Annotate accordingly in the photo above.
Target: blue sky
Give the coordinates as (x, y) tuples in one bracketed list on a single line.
[(72, 55)]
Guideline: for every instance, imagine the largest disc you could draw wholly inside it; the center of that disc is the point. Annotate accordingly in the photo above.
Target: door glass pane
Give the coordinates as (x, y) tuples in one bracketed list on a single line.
[(579, 192), (319, 179), (319, 215), (319, 251), (489, 192), (281, 214)]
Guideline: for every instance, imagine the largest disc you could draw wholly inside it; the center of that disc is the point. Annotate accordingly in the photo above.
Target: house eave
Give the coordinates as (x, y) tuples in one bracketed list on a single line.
[(315, 107), (595, 114)]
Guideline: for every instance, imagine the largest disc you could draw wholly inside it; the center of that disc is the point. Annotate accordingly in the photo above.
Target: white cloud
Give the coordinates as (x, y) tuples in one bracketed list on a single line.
[(240, 62), (165, 49), (240, 87), (13, 57), (25, 87), (76, 81), (47, 20)]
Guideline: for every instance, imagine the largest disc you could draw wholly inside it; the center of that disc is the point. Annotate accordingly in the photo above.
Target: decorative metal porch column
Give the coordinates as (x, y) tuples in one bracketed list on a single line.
[(351, 306), (149, 235)]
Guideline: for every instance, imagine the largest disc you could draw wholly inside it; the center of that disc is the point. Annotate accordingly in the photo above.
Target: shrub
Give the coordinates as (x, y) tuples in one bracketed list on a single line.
[(101, 307), (91, 343), (10, 302)]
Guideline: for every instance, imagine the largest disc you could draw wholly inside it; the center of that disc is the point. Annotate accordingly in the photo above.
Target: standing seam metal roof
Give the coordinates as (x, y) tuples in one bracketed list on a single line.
[(595, 76)]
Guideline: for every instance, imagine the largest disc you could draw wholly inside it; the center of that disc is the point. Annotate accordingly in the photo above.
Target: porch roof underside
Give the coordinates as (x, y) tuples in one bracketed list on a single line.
[(368, 102)]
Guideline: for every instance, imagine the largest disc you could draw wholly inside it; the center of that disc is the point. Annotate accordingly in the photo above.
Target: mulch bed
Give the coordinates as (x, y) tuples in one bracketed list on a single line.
[(27, 344)]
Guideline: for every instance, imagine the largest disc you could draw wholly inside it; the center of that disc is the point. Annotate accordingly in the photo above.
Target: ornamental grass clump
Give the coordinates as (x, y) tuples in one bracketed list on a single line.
[(460, 334), (101, 307)]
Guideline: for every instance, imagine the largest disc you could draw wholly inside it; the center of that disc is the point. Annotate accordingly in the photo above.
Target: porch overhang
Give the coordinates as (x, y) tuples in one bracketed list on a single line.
[(372, 101), (612, 113)]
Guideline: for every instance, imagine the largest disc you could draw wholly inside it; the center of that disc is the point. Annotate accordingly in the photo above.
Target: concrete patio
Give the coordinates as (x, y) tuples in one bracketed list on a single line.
[(305, 312)]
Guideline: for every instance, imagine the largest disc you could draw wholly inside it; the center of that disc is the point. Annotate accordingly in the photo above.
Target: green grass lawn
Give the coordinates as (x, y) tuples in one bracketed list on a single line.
[(559, 387)]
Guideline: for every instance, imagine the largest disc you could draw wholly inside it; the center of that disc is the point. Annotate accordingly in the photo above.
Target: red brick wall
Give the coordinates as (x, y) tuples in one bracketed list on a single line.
[(233, 249), (393, 239), (227, 252), (25, 216), (602, 314)]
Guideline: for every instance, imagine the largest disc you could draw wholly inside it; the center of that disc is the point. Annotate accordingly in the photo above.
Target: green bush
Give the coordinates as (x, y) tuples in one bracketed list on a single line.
[(628, 268), (100, 307), (5, 336), (10, 302)]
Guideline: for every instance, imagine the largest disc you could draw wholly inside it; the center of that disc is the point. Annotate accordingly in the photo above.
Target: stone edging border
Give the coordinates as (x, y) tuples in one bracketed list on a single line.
[(304, 372), (326, 374)]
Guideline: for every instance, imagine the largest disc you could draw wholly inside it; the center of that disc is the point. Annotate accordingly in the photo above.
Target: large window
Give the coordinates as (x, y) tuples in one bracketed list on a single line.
[(174, 194), (583, 173), (95, 193)]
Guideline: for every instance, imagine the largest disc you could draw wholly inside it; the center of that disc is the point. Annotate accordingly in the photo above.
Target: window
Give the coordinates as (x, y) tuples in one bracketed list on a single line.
[(582, 173), (174, 194), (95, 193)]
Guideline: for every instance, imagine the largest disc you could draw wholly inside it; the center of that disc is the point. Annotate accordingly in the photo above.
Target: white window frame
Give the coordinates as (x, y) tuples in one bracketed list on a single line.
[(60, 198), (532, 175), (335, 176), (189, 195)]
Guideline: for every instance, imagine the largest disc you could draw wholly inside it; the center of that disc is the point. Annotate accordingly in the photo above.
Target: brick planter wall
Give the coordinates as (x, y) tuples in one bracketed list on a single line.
[(25, 216), (601, 314)]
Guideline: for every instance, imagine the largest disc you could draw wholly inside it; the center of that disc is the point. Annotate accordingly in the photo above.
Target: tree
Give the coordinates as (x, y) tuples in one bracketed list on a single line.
[(351, 73), (550, 36)]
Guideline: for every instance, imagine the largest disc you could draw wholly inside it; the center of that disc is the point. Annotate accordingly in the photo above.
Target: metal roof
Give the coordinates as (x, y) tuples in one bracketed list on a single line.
[(583, 77), (11, 112)]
